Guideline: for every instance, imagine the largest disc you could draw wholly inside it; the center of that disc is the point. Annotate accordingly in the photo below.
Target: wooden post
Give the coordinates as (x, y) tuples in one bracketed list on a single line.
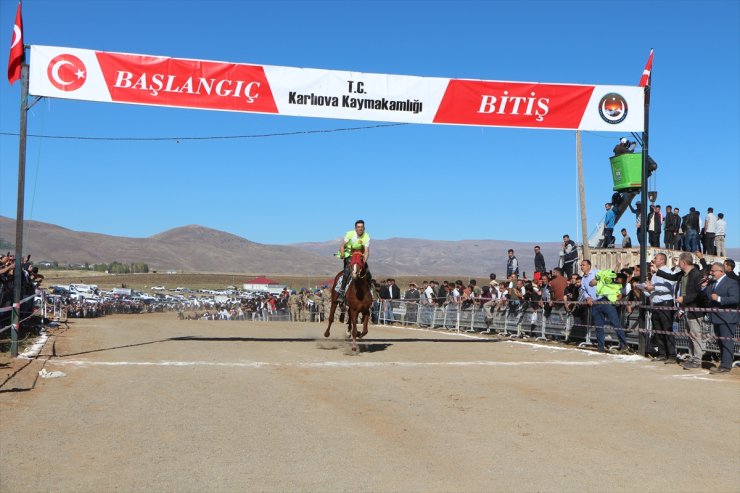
[(582, 196), (18, 272)]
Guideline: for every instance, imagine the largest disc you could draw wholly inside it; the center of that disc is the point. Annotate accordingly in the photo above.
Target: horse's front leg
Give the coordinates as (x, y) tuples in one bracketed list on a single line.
[(331, 316), (353, 328), (365, 321)]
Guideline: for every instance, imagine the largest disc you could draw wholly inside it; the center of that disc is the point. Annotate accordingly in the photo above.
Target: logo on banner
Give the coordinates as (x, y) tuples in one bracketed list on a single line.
[(67, 72), (613, 108)]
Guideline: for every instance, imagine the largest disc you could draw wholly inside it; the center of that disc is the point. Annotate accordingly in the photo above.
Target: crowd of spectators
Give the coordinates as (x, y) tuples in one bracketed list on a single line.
[(679, 232), (30, 279), (595, 299)]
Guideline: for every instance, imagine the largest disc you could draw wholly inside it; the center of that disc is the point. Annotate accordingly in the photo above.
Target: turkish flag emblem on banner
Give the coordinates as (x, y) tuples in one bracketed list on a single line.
[(16, 48)]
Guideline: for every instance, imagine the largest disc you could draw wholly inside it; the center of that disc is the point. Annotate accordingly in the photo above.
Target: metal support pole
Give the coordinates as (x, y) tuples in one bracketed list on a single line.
[(643, 339), (18, 272)]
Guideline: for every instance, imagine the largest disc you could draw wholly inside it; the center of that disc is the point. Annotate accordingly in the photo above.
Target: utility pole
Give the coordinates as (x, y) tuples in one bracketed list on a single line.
[(18, 272)]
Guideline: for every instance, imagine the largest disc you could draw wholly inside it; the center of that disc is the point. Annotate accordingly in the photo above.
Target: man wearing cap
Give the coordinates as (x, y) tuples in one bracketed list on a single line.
[(624, 147), (354, 240)]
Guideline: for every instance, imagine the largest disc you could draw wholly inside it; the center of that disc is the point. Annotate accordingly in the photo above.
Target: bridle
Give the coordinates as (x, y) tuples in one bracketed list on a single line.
[(357, 260)]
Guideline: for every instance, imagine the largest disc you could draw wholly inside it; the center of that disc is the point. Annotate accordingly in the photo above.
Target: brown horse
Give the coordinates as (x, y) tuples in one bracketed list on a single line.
[(358, 299)]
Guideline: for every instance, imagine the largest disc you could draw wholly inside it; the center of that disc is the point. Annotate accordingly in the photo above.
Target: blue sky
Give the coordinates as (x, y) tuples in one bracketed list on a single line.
[(420, 181)]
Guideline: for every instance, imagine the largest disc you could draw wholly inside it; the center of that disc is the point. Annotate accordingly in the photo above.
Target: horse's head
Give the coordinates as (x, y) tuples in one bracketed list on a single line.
[(357, 264)]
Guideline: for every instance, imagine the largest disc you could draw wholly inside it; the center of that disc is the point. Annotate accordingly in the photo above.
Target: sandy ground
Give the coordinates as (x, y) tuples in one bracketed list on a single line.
[(150, 403)]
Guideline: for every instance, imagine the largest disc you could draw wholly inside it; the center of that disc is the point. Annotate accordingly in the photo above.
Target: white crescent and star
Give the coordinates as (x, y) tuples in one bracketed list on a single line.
[(55, 73), (16, 36)]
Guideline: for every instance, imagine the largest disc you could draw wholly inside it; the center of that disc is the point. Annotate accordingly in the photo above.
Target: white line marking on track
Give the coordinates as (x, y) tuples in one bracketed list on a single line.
[(701, 376), (321, 364)]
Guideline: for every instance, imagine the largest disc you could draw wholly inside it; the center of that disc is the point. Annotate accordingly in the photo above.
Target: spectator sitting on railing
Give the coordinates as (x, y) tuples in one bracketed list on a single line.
[(467, 299), (476, 289), (502, 300)]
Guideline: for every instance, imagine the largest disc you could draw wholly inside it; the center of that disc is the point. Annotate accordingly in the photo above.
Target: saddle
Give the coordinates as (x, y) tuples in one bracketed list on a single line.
[(338, 287)]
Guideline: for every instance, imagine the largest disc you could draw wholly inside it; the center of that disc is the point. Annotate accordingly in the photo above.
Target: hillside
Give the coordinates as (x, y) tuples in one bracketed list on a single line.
[(198, 249), (188, 248)]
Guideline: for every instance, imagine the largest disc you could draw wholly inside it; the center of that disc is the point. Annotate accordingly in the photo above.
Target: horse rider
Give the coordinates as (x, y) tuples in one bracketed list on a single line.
[(357, 239)]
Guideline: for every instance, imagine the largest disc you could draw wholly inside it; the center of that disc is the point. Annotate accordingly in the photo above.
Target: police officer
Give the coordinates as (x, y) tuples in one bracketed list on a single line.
[(294, 304)]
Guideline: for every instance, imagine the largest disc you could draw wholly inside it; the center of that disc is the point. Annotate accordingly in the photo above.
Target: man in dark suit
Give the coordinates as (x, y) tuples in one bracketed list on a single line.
[(724, 293), (690, 295), (655, 222), (670, 228), (678, 240)]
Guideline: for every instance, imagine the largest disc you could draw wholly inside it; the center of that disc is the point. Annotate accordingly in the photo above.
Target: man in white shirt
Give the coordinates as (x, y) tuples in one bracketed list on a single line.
[(661, 296), (710, 228), (719, 236)]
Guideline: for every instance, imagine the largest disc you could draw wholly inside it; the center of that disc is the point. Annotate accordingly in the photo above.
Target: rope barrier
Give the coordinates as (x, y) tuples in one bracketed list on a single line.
[(17, 305)]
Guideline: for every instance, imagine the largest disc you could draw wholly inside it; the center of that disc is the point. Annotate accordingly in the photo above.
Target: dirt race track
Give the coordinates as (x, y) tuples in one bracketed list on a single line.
[(150, 403)]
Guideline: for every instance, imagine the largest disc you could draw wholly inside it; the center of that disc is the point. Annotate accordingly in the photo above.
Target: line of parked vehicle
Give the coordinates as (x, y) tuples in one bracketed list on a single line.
[(91, 293)]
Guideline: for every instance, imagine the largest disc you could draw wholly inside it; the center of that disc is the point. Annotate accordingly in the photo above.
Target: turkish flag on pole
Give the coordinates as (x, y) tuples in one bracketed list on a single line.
[(16, 48), (645, 79)]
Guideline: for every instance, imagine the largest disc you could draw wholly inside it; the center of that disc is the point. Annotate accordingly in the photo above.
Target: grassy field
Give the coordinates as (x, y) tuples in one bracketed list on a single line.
[(204, 280)]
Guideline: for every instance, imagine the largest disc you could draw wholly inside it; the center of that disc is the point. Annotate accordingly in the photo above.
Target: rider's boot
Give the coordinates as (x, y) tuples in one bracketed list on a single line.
[(343, 288)]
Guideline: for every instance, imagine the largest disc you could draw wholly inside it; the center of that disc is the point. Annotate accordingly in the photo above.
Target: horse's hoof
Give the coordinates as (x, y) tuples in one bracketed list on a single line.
[(326, 334)]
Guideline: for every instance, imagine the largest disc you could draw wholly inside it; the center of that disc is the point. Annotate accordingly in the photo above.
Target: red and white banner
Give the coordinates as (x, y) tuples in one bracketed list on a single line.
[(89, 75)]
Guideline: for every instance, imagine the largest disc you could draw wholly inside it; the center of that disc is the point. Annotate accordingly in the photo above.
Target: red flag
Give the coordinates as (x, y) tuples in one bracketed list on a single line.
[(16, 48), (645, 79)]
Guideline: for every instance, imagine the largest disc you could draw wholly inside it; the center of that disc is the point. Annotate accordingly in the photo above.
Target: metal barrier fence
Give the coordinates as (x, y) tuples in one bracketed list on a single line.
[(52, 306), (518, 319), (527, 320)]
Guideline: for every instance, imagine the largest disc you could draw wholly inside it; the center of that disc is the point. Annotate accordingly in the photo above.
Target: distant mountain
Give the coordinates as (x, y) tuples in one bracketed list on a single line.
[(198, 249), (189, 248)]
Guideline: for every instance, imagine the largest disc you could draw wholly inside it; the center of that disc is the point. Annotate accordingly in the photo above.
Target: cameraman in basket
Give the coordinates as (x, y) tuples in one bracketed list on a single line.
[(624, 147)]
